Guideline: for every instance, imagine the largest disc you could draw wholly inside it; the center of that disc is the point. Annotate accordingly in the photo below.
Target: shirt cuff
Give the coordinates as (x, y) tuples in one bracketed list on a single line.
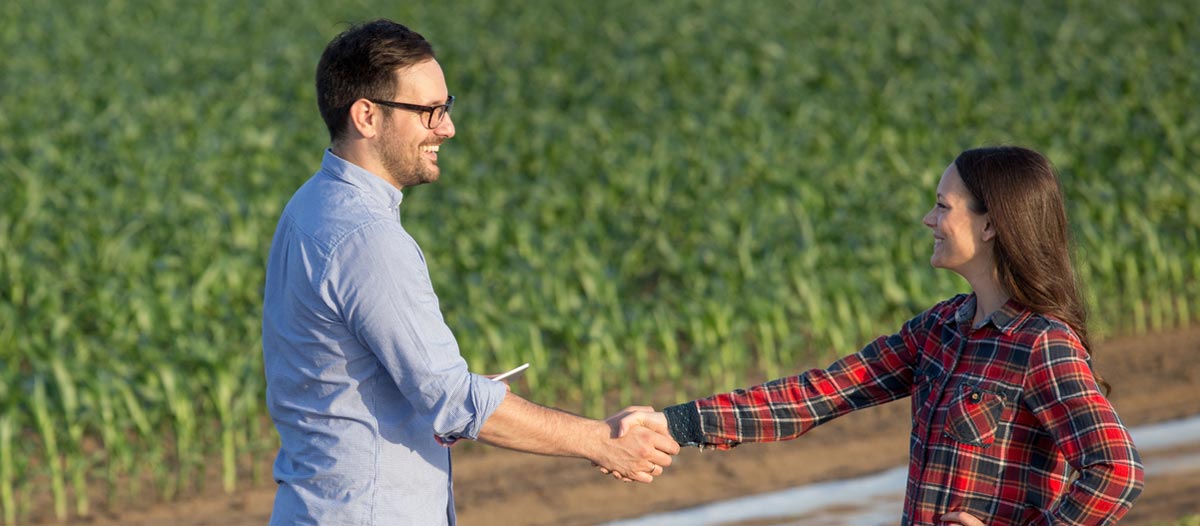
[(484, 397), (683, 421)]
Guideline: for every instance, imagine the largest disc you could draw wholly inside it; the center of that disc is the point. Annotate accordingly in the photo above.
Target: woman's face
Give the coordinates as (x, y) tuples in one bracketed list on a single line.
[(962, 239)]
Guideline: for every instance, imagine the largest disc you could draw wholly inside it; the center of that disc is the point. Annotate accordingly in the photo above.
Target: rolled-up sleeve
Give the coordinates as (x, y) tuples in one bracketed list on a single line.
[(378, 282)]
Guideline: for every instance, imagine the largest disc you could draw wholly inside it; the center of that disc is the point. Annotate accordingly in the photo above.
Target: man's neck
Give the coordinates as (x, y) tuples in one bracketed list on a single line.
[(358, 153)]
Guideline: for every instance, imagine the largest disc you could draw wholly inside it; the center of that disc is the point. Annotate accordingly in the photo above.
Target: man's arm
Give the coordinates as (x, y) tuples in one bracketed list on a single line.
[(640, 454), (396, 314), (377, 284)]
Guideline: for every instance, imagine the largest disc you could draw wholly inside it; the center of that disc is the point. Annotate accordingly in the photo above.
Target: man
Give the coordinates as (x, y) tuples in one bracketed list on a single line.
[(365, 382)]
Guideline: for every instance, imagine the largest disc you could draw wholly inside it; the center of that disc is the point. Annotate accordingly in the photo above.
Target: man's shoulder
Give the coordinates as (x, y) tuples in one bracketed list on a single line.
[(327, 209)]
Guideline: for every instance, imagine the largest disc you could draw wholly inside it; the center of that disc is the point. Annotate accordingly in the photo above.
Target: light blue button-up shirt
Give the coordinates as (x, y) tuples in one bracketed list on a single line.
[(362, 371)]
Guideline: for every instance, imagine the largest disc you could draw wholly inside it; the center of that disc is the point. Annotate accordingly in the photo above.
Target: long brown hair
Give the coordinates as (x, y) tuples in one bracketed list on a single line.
[(1019, 189)]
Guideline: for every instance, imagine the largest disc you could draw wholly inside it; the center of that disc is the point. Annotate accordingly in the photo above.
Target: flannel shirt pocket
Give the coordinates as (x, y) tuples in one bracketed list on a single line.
[(974, 415)]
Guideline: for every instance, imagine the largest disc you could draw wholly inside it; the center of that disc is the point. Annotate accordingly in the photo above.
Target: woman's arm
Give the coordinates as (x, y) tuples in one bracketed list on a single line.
[(1064, 397), (786, 408)]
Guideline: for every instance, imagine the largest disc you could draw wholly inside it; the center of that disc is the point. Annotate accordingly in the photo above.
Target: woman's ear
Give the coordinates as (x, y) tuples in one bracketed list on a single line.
[(989, 230)]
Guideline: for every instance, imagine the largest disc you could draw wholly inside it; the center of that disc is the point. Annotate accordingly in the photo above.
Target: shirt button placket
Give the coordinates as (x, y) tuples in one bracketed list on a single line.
[(938, 396)]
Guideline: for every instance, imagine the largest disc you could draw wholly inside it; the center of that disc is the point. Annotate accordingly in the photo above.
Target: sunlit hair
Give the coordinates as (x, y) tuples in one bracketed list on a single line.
[(360, 64), (1019, 190)]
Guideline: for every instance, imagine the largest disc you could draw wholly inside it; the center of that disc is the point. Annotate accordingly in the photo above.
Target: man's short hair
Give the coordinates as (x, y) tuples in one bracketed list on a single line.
[(359, 64)]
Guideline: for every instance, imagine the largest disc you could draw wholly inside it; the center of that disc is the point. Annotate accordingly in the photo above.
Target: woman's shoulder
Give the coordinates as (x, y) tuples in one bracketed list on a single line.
[(941, 314), (1044, 323), (946, 309), (1047, 330)]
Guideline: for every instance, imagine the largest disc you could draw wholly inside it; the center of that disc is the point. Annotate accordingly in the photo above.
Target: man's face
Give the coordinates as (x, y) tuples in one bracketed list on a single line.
[(407, 149)]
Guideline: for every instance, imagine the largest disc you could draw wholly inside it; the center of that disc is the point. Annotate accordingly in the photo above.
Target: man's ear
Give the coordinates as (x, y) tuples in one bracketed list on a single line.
[(365, 118)]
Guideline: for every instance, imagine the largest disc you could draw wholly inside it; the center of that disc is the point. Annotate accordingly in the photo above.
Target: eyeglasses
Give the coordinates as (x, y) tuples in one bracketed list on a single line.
[(433, 114)]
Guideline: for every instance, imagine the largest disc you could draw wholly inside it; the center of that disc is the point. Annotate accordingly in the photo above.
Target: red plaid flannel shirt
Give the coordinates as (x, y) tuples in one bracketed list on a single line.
[(1008, 423)]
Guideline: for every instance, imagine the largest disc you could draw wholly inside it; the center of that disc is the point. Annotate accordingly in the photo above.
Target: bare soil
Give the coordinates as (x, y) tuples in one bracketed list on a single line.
[(1155, 378)]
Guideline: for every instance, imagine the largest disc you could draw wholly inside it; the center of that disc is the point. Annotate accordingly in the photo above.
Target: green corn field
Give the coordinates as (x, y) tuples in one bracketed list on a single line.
[(649, 201)]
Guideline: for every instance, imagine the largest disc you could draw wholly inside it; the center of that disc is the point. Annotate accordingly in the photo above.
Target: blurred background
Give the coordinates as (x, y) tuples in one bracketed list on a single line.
[(644, 199)]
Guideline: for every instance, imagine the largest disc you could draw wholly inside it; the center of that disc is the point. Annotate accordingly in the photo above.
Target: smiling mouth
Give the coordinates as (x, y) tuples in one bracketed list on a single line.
[(430, 151)]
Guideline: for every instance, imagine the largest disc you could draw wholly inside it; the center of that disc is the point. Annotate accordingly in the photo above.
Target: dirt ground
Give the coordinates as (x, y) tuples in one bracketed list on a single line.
[(1155, 378)]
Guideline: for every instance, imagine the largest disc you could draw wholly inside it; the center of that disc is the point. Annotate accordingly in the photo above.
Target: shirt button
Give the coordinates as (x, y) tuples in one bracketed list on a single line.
[(975, 397)]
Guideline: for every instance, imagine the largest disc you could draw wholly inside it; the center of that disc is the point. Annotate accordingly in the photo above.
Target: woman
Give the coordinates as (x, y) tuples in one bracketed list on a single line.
[(1009, 422)]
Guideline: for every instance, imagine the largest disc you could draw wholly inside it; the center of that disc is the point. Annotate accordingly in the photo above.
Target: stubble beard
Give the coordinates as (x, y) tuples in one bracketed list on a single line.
[(405, 166)]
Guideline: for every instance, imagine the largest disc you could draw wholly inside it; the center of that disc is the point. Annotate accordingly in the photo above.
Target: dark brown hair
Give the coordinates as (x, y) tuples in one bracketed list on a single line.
[(1020, 191), (359, 64)]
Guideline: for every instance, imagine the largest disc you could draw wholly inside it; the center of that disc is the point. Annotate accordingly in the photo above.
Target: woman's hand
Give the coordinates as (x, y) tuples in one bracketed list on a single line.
[(962, 518)]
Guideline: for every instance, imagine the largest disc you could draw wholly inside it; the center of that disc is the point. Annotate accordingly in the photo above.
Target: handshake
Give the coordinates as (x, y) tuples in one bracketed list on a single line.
[(639, 446), (632, 445)]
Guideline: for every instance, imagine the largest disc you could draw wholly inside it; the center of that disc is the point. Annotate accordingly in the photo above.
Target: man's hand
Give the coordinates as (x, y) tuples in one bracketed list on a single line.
[(640, 454), (641, 423)]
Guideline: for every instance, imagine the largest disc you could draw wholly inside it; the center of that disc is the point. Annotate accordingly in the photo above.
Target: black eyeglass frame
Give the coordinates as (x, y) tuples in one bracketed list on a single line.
[(431, 110)]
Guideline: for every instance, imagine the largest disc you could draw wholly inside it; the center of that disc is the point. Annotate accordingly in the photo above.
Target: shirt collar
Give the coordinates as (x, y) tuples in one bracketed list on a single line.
[(1005, 319), (360, 178)]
